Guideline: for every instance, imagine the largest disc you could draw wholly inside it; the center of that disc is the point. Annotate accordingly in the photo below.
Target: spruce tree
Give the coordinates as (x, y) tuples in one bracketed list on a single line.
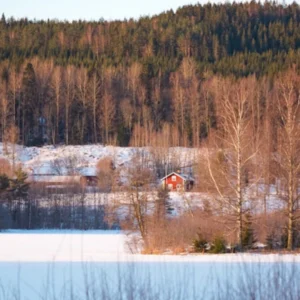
[(19, 186), (248, 237), (4, 182)]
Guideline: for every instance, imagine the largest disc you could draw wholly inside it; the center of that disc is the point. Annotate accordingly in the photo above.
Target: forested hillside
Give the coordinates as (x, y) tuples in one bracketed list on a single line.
[(155, 80)]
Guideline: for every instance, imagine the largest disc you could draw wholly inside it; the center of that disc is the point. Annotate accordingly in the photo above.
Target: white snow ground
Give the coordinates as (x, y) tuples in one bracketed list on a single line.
[(98, 265), (39, 159)]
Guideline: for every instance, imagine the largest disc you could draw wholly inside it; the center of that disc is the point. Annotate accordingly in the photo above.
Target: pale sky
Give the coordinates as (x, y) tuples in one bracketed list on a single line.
[(88, 9)]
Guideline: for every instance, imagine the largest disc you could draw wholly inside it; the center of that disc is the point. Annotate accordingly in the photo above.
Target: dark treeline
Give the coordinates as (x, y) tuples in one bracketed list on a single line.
[(131, 82)]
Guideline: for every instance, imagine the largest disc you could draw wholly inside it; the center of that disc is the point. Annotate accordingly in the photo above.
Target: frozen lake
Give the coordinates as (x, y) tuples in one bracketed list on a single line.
[(98, 265)]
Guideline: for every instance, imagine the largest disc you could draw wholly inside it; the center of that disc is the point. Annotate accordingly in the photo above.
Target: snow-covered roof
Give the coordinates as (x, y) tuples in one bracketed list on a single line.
[(53, 178), (183, 176), (88, 171)]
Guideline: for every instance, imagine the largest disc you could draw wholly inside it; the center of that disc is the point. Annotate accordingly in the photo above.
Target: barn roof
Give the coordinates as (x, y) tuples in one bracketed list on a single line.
[(49, 178), (183, 176)]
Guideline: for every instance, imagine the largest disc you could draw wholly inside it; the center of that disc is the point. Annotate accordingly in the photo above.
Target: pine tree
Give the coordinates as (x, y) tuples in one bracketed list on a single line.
[(19, 187), (248, 238), (30, 109), (3, 19), (4, 182)]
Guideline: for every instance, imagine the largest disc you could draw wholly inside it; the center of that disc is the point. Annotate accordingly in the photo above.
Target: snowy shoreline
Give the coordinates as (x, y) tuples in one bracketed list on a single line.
[(104, 246), (72, 264)]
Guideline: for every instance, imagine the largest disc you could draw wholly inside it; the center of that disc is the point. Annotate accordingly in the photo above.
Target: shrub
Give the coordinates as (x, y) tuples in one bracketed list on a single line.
[(218, 245), (270, 240), (105, 172), (200, 244), (181, 230)]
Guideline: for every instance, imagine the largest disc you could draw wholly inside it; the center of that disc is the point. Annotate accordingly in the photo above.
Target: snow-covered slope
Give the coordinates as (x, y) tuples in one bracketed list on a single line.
[(39, 160)]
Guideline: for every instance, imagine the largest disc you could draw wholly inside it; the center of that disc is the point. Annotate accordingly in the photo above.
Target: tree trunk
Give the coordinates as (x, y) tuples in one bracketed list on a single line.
[(239, 190), (290, 207)]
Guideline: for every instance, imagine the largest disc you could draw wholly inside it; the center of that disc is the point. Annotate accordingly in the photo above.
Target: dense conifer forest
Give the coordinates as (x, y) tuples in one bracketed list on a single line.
[(152, 81)]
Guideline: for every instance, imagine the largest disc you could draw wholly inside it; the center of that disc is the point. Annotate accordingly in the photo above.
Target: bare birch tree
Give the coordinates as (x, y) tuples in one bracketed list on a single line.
[(82, 88), (95, 87), (56, 83), (289, 146), (15, 91), (107, 116), (229, 172), (11, 137), (140, 177), (4, 112), (69, 97)]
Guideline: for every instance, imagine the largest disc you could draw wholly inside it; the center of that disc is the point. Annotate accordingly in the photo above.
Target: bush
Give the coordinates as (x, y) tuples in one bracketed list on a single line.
[(181, 231), (270, 240), (105, 173), (200, 244), (218, 245)]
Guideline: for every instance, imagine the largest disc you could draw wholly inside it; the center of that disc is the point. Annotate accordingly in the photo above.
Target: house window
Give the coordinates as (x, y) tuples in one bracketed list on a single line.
[(178, 187), (170, 186), (174, 178)]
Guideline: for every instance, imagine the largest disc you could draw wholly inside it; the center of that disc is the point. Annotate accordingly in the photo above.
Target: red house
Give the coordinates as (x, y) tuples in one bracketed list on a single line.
[(177, 182)]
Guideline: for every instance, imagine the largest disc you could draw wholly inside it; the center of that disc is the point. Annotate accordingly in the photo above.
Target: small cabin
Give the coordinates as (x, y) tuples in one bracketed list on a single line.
[(177, 182)]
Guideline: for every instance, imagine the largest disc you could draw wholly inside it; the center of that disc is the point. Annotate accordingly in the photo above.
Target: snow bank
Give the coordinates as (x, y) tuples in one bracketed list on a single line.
[(101, 246), (65, 245)]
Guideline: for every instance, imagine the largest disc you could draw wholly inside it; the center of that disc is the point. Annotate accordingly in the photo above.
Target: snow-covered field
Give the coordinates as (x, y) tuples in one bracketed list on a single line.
[(99, 265)]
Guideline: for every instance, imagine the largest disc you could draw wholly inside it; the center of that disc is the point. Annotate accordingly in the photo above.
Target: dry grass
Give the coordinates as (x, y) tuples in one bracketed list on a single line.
[(177, 234)]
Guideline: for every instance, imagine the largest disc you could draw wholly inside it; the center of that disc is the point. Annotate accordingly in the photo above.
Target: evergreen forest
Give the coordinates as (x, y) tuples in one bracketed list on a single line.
[(155, 81)]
